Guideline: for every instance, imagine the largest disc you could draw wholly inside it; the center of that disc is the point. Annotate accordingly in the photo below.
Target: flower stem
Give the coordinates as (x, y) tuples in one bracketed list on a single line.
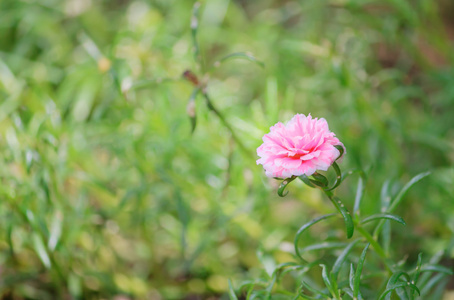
[(378, 249)]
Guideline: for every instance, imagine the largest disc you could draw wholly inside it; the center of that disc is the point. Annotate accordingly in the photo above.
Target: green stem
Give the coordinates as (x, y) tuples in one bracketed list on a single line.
[(378, 249), (224, 121)]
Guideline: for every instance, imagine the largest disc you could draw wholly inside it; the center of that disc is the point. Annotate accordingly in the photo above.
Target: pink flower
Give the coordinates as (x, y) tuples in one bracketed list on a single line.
[(302, 146)]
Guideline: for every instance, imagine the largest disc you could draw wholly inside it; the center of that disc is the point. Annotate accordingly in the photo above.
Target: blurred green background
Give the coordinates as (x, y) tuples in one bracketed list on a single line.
[(105, 193)]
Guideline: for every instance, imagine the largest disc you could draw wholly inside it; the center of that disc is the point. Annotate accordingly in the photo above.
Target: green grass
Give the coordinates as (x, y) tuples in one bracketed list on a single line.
[(106, 192)]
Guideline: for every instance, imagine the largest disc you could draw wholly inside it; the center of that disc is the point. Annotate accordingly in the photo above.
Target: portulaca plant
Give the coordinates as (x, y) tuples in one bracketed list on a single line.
[(301, 149)]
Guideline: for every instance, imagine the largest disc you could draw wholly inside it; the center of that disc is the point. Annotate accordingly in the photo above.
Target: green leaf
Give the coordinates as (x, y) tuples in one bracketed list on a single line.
[(384, 216), (345, 214), (359, 193), (284, 265), (320, 180), (240, 55), (348, 291), (232, 294), (325, 245), (315, 291), (436, 268), (269, 288), (351, 277), (283, 185), (340, 260), (41, 250), (306, 180), (55, 231), (418, 268), (327, 280), (303, 229), (359, 269), (338, 180), (394, 280), (398, 199), (341, 151), (396, 286), (405, 189), (268, 263), (425, 289)]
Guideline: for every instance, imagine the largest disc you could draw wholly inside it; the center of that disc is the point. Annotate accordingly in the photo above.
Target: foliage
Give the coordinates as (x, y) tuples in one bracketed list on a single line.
[(106, 192)]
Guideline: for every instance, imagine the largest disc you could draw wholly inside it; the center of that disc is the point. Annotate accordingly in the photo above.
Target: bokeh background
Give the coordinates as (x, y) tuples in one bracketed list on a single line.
[(105, 193)]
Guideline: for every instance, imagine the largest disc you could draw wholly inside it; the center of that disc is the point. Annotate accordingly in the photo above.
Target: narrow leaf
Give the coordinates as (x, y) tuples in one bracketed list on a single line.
[(384, 216), (282, 266), (41, 250), (283, 185), (436, 268), (425, 289), (320, 180), (340, 260), (303, 229), (405, 189), (341, 151), (306, 180), (399, 198), (55, 231), (394, 280), (325, 245), (326, 280), (315, 291), (359, 269), (399, 285), (359, 194), (240, 55), (338, 180), (345, 214), (418, 268), (232, 294), (351, 277)]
